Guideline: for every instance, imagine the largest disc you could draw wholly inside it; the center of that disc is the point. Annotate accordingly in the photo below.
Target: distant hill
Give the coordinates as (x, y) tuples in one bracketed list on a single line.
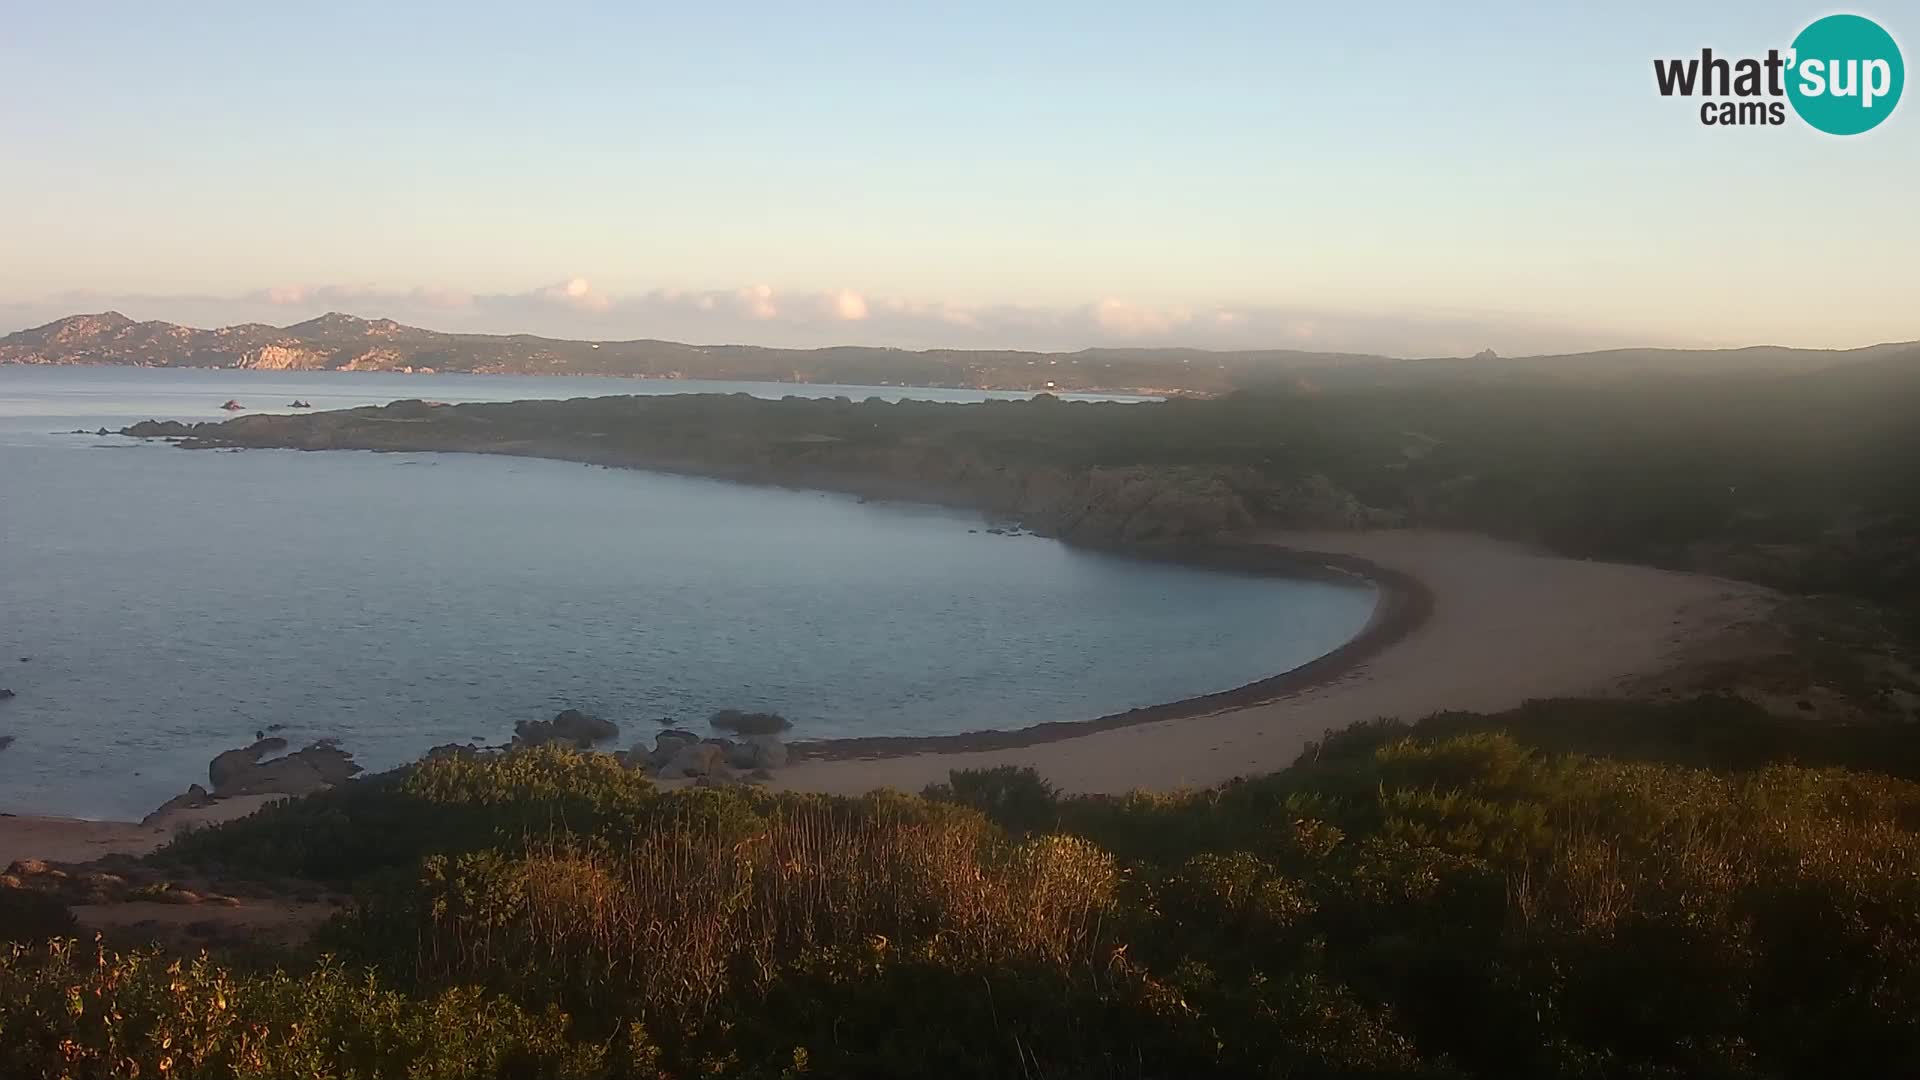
[(337, 342)]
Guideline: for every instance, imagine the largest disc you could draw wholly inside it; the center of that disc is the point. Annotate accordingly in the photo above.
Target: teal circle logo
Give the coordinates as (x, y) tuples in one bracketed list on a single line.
[(1845, 75)]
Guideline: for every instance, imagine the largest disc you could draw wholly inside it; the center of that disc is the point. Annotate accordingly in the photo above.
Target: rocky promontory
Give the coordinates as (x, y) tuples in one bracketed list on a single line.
[(1060, 468)]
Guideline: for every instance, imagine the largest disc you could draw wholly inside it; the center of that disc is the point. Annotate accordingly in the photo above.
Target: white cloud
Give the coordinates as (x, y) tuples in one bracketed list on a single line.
[(757, 301), (578, 294), (847, 305), (1136, 320), (759, 314)]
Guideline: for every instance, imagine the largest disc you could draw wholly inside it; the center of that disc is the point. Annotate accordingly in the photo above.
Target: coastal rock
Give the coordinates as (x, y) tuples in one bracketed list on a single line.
[(1315, 502), (281, 358), (241, 772), (193, 798), (578, 726), (569, 726), (666, 746), (762, 752), (158, 429), (753, 752), (699, 759), (5, 693), (750, 723), (5, 741), (451, 750), (228, 767), (1137, 504)]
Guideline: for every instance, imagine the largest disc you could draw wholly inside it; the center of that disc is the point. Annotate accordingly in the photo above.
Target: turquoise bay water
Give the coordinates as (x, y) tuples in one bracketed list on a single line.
[(171, 603)]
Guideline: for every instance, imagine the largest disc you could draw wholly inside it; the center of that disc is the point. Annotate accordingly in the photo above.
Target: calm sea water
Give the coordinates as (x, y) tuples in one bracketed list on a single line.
[(158, 606)]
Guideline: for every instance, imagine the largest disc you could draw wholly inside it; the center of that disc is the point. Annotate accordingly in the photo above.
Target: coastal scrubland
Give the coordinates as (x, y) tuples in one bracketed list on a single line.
[(1546, 894)]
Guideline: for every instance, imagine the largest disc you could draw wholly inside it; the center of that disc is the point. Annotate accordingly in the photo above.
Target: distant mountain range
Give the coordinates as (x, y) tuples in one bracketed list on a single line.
[(337, 342)]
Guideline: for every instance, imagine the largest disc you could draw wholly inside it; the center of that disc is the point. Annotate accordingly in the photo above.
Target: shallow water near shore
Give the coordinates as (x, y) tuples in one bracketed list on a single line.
[(171, 603)]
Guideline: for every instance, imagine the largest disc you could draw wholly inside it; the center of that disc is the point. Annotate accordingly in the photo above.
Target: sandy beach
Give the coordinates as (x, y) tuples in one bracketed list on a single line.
[(1507, 624), (68, 840), (1501, 624)]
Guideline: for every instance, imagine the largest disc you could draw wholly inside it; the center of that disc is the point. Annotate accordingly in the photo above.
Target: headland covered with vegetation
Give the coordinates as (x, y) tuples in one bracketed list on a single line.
[(1718, 880), (1804, 481)]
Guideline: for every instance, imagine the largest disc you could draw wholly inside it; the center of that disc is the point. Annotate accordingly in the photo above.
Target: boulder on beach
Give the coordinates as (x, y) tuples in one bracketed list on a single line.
[(768, 752), (696, 760), (193, 798), (756, 752), (666, 746), (241, 772), (750, 723)]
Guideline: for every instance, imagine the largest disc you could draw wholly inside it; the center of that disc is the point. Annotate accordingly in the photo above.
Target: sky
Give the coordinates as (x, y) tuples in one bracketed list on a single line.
[(1399, 177)]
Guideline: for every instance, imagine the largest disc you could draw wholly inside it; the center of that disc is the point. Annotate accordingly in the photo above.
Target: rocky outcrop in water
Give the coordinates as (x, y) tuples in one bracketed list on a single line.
[(569, 726), (749, 723), (242, 772)]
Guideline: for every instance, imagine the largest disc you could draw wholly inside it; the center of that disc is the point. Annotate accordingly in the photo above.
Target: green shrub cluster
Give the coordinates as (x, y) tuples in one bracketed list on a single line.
[(1430, 902), (69, 1011)]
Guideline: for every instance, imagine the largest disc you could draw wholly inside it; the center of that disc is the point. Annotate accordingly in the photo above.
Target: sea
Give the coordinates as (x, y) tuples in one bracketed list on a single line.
[(159, 605)]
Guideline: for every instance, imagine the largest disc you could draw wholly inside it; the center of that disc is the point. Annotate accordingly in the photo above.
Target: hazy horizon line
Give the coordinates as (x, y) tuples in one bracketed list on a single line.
[(1163, 346)]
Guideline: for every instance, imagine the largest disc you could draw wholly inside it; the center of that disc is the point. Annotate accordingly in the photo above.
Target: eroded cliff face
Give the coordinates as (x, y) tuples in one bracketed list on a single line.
[(282, 358)]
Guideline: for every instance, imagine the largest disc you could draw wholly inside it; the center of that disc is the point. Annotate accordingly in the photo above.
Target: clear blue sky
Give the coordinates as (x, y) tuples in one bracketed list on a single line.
[(1405, 177)]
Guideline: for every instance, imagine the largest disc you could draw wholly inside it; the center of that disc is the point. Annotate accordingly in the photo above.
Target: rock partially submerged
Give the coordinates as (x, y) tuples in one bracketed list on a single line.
[(241, 772), (750, 723), (569, 726)]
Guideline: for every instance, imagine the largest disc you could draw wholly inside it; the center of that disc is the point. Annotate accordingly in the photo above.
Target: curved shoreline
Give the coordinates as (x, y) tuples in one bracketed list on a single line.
[(1403, 605), (1504, 623)]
